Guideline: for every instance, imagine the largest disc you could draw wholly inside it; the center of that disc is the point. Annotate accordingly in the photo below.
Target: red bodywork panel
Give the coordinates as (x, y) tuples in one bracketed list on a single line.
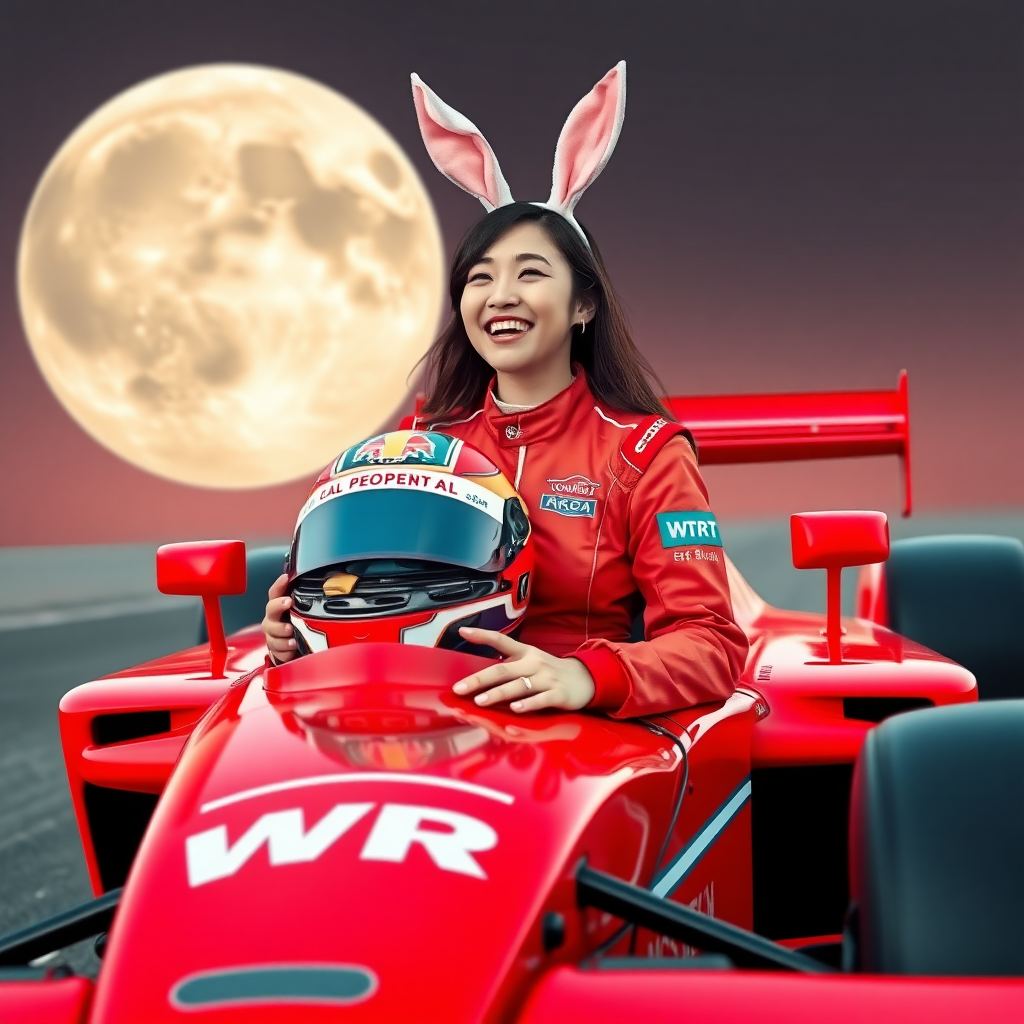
[(735, 997), (47, 1001), (872, 603), (807, 725)]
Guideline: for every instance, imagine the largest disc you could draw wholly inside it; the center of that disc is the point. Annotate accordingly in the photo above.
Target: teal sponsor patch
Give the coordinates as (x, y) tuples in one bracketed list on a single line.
[(688, 529), (572, 507)]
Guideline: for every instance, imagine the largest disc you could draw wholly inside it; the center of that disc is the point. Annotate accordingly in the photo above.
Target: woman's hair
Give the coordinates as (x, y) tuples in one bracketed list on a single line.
[(618, 375)]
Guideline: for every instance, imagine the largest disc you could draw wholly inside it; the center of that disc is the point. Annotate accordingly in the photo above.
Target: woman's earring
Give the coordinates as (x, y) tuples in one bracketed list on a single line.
[(583, 326)]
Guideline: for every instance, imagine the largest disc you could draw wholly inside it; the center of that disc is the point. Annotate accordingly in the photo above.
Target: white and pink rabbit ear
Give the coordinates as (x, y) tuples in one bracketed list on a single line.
[(587, 141), (458, 149)]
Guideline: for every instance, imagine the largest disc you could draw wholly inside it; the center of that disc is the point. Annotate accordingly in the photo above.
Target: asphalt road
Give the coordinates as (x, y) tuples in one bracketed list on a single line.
[(42, 870)]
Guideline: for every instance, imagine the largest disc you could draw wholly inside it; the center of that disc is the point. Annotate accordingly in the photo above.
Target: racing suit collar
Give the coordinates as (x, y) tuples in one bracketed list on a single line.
[(541, 423)]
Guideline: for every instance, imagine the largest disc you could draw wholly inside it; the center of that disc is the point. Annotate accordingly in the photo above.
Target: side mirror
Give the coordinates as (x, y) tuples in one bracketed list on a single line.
[(832, 541), (206, 569)]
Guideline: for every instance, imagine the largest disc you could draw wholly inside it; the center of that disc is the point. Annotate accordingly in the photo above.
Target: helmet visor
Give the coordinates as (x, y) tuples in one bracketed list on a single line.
[(397, 524)]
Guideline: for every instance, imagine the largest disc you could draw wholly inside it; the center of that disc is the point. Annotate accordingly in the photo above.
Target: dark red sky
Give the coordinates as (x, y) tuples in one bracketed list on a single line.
[(805, 195)]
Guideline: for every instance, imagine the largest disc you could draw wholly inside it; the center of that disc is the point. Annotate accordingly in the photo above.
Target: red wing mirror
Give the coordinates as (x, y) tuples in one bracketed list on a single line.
[(206, 569), (833, 541)]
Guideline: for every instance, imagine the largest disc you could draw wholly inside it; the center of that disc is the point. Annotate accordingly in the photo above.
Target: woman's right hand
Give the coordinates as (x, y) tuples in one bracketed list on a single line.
[(280, 634)]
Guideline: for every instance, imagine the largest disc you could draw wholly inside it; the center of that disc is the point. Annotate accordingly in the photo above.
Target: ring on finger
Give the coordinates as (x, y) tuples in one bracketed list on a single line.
[(526, 682)]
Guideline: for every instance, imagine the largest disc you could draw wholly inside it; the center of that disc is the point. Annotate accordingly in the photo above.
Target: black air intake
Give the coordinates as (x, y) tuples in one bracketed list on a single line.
[(877, 709), (799, 826)]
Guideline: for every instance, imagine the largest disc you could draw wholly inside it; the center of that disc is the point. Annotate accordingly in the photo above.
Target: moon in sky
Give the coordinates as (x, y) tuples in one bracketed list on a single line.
[(226, 274)]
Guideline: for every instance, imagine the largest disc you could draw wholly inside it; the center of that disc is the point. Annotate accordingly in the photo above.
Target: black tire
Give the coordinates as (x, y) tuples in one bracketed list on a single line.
[(963, 596), (262, 567), (937, 843)]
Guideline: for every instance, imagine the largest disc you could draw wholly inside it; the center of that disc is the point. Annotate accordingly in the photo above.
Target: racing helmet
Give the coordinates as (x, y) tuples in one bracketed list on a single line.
[(406, 537)]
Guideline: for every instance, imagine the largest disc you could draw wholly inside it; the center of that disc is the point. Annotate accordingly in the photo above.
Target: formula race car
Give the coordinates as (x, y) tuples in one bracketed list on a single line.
[(341, 838)]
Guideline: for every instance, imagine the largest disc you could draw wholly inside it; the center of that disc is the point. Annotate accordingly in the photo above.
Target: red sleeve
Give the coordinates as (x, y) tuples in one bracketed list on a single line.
[(694, 651)]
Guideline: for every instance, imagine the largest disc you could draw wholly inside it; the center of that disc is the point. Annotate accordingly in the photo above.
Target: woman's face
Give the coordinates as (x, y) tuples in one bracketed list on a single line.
[(517, 304)]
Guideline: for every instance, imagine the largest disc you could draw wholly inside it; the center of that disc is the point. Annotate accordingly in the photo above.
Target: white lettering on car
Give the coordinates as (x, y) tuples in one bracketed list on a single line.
[(398, 827), (209, 857)]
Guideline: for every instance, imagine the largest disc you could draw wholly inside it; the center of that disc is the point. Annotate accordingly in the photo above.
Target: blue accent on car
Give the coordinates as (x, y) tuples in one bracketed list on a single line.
[(687, 859), (337, 985)]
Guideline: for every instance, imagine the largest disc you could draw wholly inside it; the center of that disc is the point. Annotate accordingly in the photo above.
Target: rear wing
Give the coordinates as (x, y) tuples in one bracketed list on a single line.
[(815, 425)]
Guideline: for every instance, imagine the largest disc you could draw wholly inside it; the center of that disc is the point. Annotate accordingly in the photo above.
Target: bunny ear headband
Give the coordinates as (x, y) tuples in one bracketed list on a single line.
[(586, 142)]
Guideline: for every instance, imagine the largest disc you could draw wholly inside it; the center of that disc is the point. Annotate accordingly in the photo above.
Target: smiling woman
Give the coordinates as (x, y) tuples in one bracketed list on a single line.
[(537, 370), (525, 289)]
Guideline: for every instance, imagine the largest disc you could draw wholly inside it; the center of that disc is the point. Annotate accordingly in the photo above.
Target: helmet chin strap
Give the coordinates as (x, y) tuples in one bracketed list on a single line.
[(587, 140)]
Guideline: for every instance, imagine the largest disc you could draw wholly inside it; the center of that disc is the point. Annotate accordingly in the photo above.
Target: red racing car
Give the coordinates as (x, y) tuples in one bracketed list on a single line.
[(342, 839)]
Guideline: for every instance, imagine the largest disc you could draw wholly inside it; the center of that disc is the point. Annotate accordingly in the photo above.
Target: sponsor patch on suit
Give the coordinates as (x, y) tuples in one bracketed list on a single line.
[(572, 507), (574, 496), (688, 529)]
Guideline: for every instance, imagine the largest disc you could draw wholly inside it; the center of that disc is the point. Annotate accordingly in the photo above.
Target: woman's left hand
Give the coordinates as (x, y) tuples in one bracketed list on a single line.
[(528, 677)]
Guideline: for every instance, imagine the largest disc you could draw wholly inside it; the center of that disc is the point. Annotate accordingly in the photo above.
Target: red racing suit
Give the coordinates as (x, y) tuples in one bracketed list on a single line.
[(619, 515)]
